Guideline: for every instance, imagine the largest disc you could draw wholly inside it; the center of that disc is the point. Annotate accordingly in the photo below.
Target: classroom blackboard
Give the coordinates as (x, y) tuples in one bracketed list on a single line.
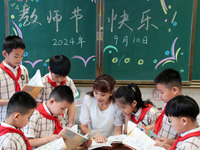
[(196, 60), (51, 27), (2, 24), (144, 37)]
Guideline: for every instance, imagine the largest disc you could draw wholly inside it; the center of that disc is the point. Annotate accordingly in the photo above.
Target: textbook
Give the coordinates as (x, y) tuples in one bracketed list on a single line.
[(34, 86), (58, 144), (73, 139), (110, 140), (137, 139)]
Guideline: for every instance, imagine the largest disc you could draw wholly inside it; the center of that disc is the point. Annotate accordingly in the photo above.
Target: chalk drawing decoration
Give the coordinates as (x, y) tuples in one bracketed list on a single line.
[(110, 49), (84, 61), (172, 58)]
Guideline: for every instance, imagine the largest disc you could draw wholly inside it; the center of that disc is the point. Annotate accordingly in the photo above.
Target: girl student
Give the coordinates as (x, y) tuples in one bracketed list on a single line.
[(130, 102), (98, 110)]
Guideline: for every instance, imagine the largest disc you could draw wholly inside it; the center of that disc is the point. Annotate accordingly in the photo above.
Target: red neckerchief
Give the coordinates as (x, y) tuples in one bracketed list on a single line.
[(143, 113), (43, 112), (158, 123), (54, 83), (197, 133), (17, 86), (5, 130)]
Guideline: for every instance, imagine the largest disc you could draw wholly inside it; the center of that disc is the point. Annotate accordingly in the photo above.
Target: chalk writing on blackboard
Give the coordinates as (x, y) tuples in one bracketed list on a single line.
[(57, 18), (77, 16), (84, 61)]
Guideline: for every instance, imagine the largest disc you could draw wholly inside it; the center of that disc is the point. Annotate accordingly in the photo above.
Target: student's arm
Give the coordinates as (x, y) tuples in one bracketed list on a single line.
[(71, 114), (41, 141), (4, 102), (127, 118), (118, 130), (84, 128), (151, 127)]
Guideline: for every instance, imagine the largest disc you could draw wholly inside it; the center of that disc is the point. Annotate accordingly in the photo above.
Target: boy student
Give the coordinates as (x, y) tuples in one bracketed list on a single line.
[(182, 112), (20, 108), (44, 125), (59, 68), (13, 76), (169, 84)]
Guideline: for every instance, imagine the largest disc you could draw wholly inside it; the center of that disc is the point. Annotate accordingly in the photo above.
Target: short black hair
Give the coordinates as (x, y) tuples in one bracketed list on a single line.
[(60, 64), (20, 102), (13, 42), (170, 77), (62, 93), (182, 106)]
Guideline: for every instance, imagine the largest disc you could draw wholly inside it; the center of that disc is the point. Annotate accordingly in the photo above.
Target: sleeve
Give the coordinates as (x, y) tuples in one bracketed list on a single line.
[(32, 129), (118, 120), (85, 110), (73, 87), (9, 144), (152, 115)]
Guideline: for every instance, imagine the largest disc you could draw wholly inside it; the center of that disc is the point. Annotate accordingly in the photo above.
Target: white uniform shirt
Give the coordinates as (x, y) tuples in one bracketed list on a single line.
[(96, 119)]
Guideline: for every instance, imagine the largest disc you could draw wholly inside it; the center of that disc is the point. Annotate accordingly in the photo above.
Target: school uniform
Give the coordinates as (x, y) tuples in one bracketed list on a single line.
[(96, 119), (12, 140), (8, 85), (189, 140), (49, 86), (147, 115), (44, 95), (163, 127), (40, 126)]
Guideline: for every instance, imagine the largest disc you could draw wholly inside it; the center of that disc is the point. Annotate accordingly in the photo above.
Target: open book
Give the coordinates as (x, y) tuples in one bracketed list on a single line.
[(34, 86), (137, 139), (74, 139), (111, 140), (58, 144)]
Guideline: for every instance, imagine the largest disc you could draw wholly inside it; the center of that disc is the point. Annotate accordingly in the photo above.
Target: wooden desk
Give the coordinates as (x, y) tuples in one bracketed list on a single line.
[(118, 147)]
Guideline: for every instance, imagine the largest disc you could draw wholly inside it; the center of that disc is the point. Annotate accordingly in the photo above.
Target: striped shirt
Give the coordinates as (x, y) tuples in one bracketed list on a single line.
[(7, 86)]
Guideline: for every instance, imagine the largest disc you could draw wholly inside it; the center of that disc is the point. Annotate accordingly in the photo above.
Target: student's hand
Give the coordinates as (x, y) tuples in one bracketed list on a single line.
[(162, 144), (87, 143), (167, 141), (53, 137), (70, 125), (151, 127), (100, 139)]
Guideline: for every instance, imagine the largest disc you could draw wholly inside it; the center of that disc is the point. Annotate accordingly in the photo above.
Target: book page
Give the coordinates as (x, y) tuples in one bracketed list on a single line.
[(36, 79), (58, 144), (138, 139)]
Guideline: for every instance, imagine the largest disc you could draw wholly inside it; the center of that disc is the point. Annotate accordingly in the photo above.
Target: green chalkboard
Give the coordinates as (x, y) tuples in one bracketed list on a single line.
[(51, 27), (142, 38), (196, 57), (2, 24)]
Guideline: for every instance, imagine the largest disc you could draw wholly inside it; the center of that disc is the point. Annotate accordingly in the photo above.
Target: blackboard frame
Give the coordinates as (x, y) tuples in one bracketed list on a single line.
[(99, 44)]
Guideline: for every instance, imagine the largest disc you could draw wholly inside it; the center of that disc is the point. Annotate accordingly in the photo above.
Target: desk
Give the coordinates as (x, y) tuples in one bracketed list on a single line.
[(118, 147)]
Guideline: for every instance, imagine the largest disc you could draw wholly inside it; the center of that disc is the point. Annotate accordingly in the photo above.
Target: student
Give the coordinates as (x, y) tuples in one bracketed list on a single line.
[(98, 110), (130, 102), (44, 125), (182, 112), (169, 84), (13, 76), (20, 108), (59, 68)]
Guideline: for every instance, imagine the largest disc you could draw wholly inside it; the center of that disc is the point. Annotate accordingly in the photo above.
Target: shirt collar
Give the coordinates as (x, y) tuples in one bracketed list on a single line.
[(45, 107), (10, 68), (137, 114), (190, 131), (7, 125)]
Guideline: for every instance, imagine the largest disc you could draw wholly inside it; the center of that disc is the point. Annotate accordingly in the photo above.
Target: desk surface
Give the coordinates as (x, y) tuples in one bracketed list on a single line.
[(118, 147)]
